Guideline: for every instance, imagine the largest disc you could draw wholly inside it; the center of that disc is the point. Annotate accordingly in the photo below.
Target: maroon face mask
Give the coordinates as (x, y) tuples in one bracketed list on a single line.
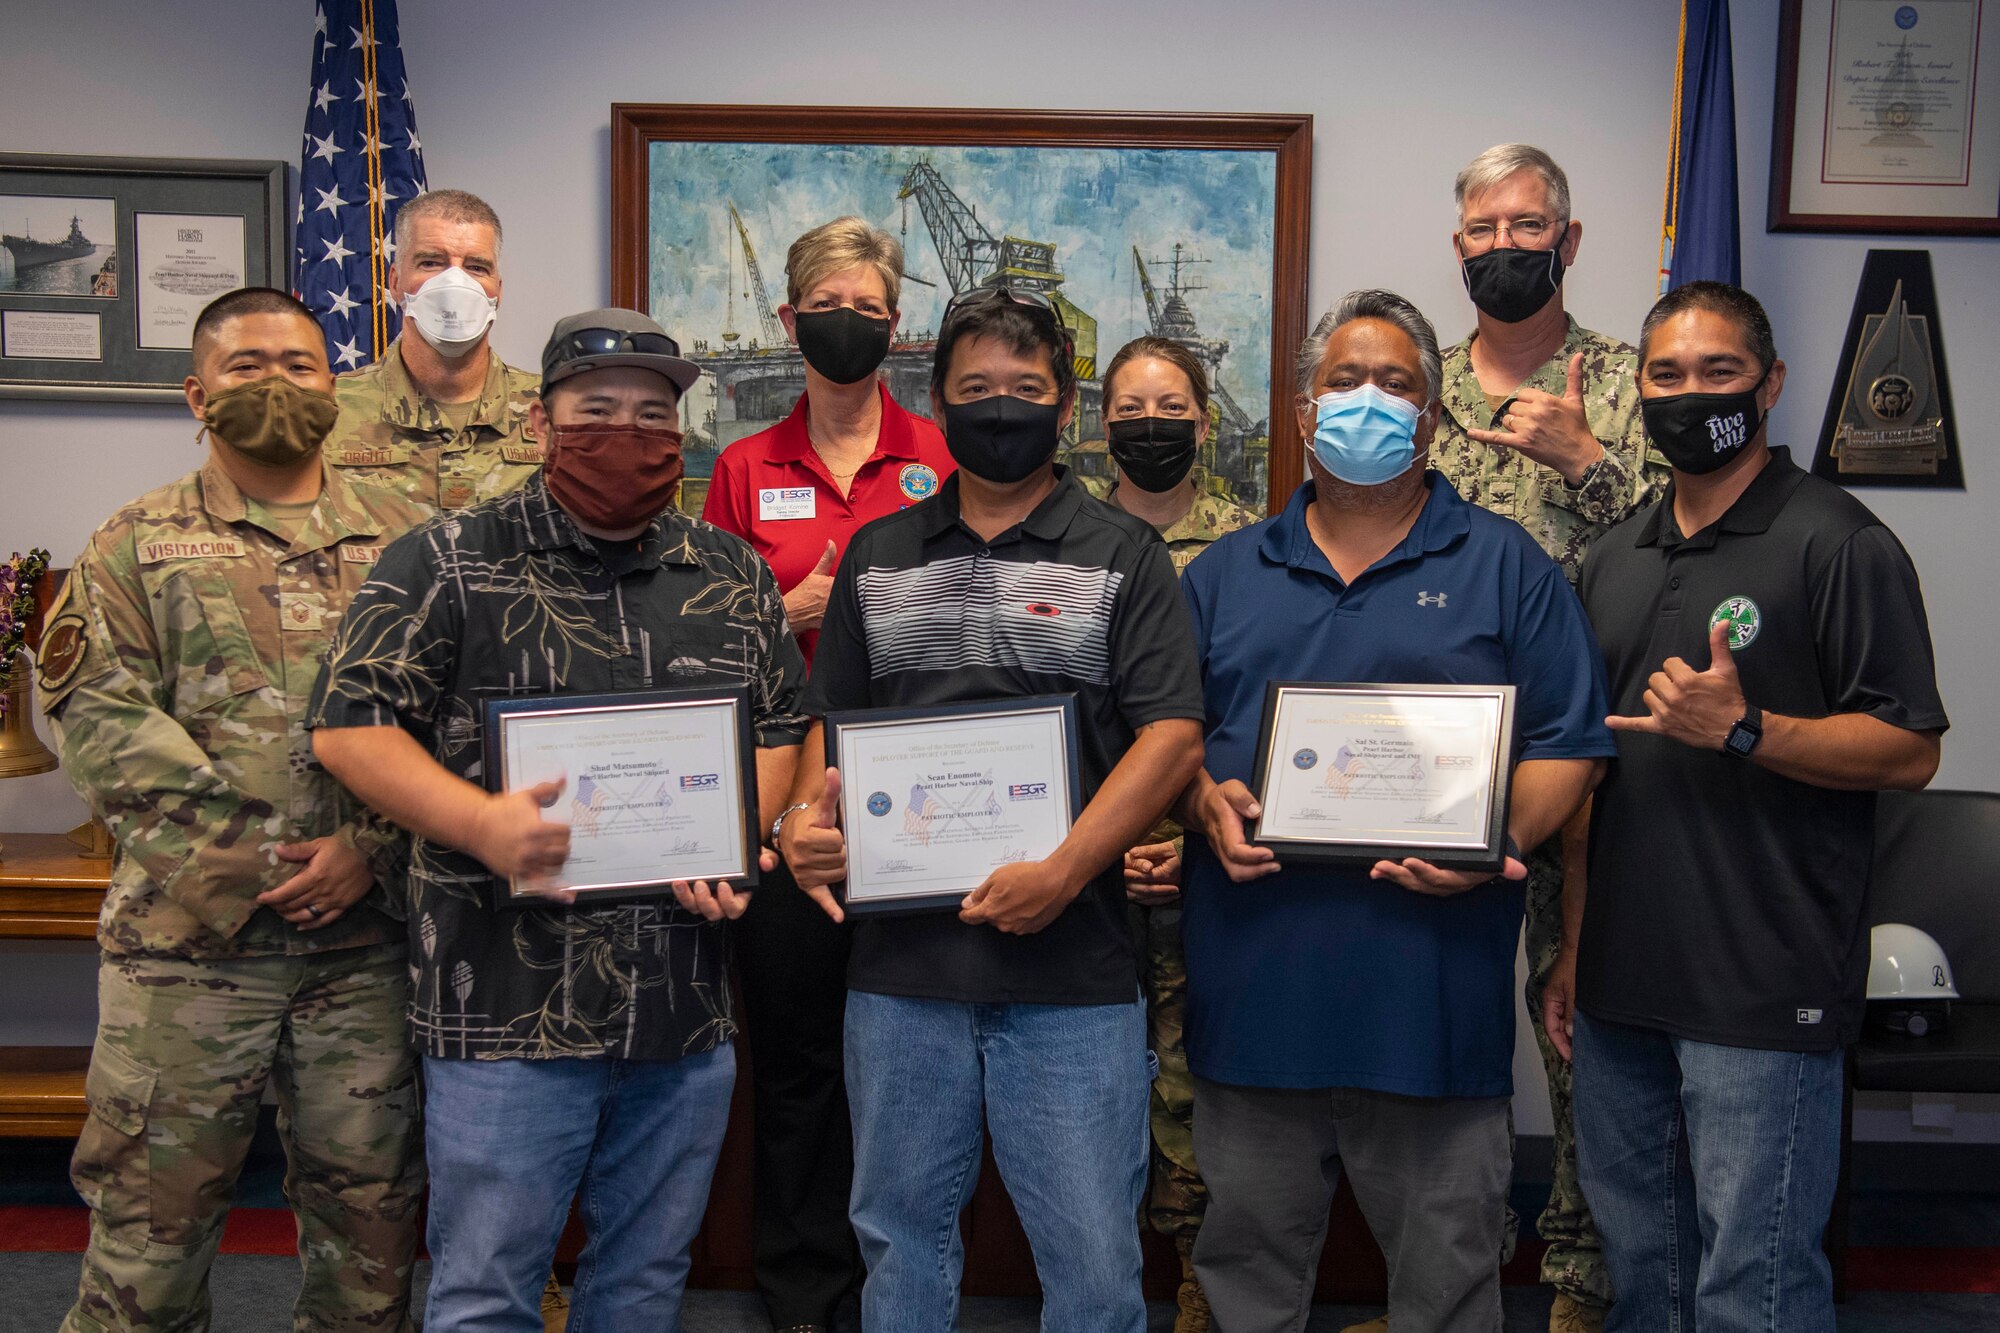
[(613, 477)]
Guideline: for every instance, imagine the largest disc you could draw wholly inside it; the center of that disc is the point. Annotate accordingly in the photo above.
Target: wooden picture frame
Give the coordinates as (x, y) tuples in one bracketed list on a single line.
[(1856, 177), (853, 139), (107, 312)]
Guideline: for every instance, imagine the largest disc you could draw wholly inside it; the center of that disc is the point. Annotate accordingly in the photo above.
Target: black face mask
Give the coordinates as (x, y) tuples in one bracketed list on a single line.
[(1703, 432), (844, 345), (1512, 284), (1153, 452), (1002, 440)]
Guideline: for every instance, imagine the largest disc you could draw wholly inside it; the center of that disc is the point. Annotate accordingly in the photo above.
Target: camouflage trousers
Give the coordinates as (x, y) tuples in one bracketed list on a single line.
[(1176, 1198), (184, 1051), (1574, 1262)]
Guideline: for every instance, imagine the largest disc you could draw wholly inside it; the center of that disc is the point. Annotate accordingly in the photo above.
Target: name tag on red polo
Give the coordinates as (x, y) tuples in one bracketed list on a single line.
[(783, 502)]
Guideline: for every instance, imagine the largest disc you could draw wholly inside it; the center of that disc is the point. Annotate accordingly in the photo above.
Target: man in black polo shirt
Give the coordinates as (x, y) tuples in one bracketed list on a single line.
[(1025, 1005), (564, 1044), (1723, 947)]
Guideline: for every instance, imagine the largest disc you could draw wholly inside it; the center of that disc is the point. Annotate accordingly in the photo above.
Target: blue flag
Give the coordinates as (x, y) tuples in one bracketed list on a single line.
[(1700, 237), (360, 162)]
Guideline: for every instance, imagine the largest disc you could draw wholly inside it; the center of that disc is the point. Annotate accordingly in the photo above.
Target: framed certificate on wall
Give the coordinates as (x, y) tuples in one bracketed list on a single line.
[(1887, 118), (106, 261)]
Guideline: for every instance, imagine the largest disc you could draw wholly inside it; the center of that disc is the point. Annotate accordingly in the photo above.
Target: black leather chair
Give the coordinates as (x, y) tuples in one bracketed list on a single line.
[(1937, 867)]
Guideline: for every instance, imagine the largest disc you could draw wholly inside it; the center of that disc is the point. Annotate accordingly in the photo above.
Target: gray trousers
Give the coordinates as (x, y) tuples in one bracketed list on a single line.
[(1429, 1173)]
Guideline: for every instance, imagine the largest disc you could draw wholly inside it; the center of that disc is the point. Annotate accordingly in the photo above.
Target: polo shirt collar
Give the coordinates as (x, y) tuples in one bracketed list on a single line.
[(547, 526), (1754, 511), (1048, 520), (791, 441), (1444, 520)]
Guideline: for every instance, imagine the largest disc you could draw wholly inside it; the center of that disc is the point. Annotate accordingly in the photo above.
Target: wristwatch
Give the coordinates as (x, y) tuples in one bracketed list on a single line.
[(1746, 732), (783, 815)]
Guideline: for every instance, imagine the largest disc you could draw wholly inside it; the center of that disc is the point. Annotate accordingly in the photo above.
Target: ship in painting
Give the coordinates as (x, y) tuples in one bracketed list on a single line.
[(31, 253)]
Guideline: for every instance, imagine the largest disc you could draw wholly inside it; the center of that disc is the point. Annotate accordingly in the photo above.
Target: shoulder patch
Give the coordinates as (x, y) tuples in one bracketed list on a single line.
[(60, 655), (361, 555)]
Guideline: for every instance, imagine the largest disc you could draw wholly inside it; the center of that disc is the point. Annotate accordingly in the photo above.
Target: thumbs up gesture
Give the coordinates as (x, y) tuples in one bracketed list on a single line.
[(1693, 707), (1551, 430), (814, 847), (805, 604)]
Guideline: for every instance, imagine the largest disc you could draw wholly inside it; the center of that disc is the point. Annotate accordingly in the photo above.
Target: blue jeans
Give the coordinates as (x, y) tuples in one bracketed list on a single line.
[(508, 1142), (1064, 1092), (1710, 1171)]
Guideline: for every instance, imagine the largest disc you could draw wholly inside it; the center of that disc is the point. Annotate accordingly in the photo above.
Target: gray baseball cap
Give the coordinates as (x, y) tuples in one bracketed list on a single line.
[(597, 339)]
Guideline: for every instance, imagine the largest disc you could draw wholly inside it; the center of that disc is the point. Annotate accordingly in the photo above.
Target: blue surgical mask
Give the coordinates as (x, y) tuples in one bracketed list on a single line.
[(1365, 436)]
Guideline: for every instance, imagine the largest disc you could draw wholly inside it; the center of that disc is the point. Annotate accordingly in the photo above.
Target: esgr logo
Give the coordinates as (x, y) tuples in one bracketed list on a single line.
[(1027, 791), (701, 782)]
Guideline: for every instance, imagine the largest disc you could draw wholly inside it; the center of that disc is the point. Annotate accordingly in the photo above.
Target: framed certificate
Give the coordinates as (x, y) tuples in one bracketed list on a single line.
[(934, 799), (660, 785), (1887, 117), (1355, 774)]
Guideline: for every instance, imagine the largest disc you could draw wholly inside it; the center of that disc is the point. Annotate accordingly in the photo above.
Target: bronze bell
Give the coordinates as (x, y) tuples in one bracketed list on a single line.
[(21, 750)]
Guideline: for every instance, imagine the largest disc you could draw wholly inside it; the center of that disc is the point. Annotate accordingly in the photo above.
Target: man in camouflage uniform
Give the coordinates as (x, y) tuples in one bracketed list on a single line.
[(1176, 1198), (1541, 423), (247, 938), (442, 420)]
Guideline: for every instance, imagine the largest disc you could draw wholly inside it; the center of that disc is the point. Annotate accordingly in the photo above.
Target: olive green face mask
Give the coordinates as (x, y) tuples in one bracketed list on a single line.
[(271, 421)]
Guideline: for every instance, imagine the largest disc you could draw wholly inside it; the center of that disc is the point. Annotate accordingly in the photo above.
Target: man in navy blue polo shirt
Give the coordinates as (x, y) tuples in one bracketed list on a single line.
[(1362, 1019)]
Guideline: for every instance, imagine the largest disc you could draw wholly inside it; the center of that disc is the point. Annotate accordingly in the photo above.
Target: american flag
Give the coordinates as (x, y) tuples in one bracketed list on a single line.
[(917, 816), (360, 161), (587, 805)]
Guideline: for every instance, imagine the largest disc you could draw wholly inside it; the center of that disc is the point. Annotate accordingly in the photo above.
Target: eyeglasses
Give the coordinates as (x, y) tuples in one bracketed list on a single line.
[(1034, 300), (606, 342), (1527, 232)]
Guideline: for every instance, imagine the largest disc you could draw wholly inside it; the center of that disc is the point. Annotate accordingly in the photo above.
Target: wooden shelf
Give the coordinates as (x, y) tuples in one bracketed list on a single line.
[(47, 892)]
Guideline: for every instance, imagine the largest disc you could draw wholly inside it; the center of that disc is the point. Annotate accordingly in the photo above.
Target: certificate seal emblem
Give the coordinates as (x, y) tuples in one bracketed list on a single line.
[(1744, 621), (879, 804), (1906, 17), (917, 481), (1305, 759)]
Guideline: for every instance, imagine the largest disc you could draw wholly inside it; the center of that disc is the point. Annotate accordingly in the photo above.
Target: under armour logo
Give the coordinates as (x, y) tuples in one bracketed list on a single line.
[(1430, 599)]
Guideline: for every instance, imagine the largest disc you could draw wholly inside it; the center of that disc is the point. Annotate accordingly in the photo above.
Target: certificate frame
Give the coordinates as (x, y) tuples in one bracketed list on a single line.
[(499, 714), (111, 193), (1497, 765), (843, 726), (1810, 192)]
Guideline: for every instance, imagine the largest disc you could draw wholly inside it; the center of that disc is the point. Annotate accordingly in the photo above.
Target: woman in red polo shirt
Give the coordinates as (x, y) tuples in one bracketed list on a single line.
[(848, 453), (798, 491)]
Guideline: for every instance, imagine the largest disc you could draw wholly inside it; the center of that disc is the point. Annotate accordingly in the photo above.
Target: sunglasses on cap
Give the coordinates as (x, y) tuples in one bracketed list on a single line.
[(1034, 300), (606, 342)]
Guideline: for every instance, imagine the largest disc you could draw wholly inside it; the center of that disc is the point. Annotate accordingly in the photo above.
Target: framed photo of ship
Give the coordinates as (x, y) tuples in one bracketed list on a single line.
[(1190, 226), (1887, 118), (106, 261)]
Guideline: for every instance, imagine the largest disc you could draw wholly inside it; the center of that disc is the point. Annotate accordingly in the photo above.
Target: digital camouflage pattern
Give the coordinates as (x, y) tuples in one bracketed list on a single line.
[(1563, 519), (389, 433), (184, 649), (185, 1048)]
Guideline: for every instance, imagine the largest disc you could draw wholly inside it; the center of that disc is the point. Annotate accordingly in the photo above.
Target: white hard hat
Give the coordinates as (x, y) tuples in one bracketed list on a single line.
[(1907, 964)]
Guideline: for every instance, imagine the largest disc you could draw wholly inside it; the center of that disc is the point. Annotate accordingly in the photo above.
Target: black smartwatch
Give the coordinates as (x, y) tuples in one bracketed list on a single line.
[(1747, 731)]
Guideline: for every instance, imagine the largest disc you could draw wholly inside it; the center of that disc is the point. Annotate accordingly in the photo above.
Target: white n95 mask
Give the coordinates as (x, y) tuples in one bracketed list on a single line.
[(451, 311)]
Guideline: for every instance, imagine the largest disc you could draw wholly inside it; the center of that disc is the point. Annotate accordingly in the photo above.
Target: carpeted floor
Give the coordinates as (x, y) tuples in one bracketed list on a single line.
[(253, 1294)]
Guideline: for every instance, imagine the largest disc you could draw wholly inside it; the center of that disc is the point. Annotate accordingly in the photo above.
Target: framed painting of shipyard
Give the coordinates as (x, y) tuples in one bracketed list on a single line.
[(1193, 227), (106, 261)]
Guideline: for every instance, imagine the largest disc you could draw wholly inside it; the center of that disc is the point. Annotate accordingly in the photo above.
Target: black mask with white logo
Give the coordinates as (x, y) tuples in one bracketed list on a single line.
[(1154, 453), (842, 344), (1001, 439), (1511, 284), (1702, 432)]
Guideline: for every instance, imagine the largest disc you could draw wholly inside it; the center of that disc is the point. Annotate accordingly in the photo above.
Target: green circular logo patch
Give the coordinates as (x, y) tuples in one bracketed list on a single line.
[(1744, 621)]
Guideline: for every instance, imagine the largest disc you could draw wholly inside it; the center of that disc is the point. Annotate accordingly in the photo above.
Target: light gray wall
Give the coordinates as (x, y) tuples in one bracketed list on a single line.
[(512, 103)]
